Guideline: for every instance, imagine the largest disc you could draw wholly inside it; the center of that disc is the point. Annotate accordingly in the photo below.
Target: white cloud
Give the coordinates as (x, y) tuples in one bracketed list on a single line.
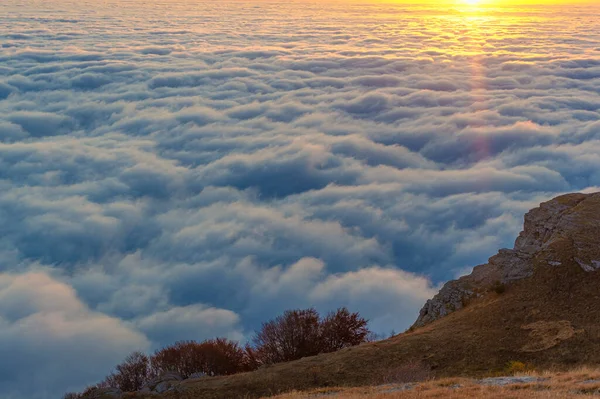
[(193, 322), (390, 297), (46, 332)]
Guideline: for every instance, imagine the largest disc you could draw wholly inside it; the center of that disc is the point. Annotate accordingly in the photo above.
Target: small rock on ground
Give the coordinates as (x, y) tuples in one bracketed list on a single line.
[(501, 381), (395, 388)]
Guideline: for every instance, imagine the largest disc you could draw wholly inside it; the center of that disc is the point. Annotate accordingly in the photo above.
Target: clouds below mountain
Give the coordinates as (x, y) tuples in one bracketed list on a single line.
[(185, 177), (46, 329)]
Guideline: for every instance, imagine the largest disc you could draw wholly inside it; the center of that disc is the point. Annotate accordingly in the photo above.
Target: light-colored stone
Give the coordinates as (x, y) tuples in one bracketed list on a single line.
[(547, 334), (163, 383), (163, 386), (503, 381), (554, 263)]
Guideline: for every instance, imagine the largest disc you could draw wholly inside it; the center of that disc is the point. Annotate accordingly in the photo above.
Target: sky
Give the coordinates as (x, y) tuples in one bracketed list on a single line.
[(177, 170)]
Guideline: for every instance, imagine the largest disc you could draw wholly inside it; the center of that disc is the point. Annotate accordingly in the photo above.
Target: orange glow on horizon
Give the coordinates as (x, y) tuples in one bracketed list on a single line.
[(492, 3)]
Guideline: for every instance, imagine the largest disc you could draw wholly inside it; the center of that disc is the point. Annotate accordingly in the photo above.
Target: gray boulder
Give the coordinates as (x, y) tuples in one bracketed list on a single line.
[(163, 383)]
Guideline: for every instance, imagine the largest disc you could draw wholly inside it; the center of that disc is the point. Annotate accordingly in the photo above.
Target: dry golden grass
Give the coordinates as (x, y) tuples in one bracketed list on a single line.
[(579, 383)]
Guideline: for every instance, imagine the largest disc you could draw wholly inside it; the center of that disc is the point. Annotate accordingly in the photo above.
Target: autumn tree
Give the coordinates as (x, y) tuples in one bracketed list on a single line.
[(301, 333), (131, 375), (341, 329), (224, 357), (218, 356), (288, 337)]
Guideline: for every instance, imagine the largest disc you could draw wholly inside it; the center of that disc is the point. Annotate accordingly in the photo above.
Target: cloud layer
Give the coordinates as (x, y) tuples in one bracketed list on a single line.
[(195, 173)]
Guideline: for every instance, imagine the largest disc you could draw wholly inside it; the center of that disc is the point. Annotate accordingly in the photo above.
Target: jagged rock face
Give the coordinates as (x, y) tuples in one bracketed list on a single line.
[(563, 230)]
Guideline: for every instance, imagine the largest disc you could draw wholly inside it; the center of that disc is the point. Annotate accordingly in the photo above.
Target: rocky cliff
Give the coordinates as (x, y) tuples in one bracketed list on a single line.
[(563, 230)]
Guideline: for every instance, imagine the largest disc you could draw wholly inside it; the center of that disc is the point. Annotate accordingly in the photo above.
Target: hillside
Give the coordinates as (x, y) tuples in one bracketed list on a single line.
[(537, 303)]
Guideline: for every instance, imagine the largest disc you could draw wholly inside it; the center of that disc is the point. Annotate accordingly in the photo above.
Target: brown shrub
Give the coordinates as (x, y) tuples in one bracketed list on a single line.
[(252, 358), (291, 336), (341, 329), (499, 288), (182, 357), (224, 357), (131, 375), (300, 333), (213, 357), (516, 367)]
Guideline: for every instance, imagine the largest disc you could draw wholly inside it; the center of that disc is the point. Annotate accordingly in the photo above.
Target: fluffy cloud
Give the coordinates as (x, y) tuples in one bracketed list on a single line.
[(189, 322), (181, 181), (402, 292), (50, 340)]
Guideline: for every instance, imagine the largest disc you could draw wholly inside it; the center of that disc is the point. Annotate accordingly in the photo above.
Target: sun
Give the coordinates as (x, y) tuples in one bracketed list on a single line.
[(472, 2)]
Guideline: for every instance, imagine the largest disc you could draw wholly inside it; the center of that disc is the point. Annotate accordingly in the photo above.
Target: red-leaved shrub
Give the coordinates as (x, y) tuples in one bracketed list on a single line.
[(131, 375), (342, 329), (213, 357), (300, 333)]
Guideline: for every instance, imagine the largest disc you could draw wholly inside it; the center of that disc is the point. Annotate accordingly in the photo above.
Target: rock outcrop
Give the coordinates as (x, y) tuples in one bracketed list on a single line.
[(163, 383), (562, 231), (167, 382)]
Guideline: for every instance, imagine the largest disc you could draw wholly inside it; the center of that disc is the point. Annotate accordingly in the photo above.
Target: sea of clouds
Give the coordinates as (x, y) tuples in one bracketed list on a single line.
[(179, 170)]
